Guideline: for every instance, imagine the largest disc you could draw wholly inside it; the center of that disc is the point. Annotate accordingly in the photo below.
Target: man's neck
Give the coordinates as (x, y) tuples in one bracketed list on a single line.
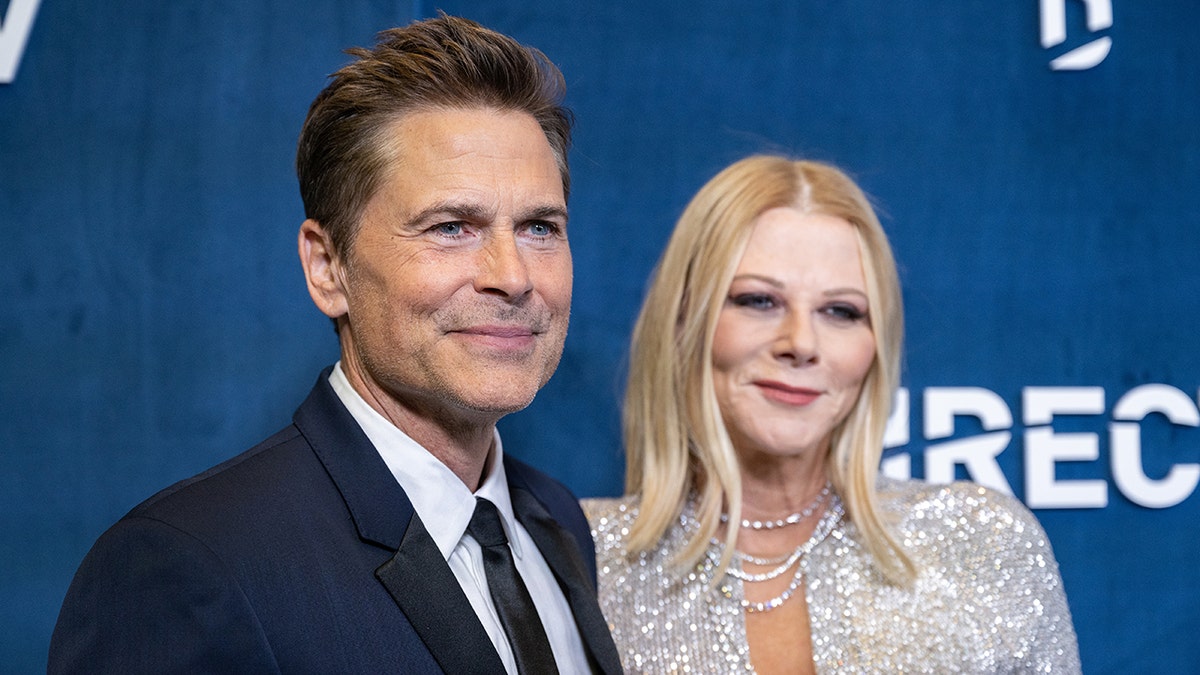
[(462, 442)]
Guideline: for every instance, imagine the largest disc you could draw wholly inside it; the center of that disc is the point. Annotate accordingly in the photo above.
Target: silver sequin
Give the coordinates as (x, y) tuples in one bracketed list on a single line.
[(988, 598)]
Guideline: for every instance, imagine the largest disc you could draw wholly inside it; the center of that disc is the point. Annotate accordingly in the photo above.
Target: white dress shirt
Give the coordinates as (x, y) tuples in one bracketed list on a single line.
[(445, 506)]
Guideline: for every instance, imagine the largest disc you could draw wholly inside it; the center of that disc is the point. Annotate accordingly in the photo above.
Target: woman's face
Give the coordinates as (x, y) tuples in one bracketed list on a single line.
[(794, 339)]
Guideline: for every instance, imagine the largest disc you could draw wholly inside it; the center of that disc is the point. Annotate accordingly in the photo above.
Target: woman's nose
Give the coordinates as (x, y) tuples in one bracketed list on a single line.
[(797, 339)]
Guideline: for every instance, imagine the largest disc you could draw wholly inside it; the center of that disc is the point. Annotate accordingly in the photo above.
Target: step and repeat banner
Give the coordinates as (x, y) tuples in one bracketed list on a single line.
[(1036, 164)]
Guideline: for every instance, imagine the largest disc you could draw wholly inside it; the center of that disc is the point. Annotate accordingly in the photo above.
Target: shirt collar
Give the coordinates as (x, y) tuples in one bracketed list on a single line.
[(440, 498)]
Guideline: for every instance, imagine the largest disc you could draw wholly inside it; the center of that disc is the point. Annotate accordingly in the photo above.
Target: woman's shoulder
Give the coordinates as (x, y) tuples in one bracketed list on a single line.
[(917, 502), (982, 553), (930, 516), (610, 520), (609, 513)]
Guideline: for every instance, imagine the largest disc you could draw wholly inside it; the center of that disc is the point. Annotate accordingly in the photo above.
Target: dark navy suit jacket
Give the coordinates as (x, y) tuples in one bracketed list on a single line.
[(303, 555)]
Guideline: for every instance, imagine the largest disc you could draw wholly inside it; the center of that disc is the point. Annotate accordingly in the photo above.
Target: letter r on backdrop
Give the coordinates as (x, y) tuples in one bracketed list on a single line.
[(14, 33)]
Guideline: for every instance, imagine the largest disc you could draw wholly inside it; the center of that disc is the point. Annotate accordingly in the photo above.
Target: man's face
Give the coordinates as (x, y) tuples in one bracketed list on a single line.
[(458, 282)]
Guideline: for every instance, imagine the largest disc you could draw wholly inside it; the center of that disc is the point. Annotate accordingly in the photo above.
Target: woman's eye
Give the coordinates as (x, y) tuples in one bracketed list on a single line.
[(847, 313), (754, 301)]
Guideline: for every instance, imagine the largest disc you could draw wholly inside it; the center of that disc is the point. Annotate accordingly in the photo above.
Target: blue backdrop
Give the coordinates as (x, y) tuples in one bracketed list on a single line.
[(1036, 165)]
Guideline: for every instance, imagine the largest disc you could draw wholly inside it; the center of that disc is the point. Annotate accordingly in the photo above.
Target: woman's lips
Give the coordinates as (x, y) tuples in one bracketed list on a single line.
[(787, 394)]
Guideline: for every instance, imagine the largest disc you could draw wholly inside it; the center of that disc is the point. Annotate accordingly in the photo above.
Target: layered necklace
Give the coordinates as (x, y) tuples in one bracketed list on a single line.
[(786, 520), (781, 564)]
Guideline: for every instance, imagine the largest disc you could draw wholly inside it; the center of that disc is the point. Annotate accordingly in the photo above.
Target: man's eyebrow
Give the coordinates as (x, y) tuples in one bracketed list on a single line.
[(478, 212), (454, 209), (546, 212)]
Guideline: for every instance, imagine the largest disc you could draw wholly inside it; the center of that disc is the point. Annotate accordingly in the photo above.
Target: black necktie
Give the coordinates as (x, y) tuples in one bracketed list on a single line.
[(531, 648)]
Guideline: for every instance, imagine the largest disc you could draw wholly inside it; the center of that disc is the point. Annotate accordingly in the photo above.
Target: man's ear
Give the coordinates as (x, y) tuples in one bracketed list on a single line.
[(323, 270)]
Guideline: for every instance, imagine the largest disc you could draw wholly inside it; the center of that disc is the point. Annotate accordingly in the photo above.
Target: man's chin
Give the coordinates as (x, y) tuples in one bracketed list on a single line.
[(496, 386), (497, 404)]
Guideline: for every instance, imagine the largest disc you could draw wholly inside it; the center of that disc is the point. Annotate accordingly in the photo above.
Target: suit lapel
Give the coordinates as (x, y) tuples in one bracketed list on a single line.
[(422, 584), (562, 555), (376, 502), (417, 576)]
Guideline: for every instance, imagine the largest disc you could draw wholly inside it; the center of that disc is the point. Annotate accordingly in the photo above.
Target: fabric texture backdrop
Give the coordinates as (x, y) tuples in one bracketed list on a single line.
[(154, 319)]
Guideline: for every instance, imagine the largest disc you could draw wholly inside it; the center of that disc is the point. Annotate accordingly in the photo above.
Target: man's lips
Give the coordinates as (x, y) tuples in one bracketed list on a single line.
[(499, 337), (787, 394), (498, 331)]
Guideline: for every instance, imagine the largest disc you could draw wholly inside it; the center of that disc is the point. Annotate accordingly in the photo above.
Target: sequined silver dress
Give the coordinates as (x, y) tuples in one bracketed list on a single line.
[(988, 597)]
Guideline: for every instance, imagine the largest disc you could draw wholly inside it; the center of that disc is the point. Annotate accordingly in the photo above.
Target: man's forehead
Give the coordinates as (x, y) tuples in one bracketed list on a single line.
[(473, 164), (450, 131)]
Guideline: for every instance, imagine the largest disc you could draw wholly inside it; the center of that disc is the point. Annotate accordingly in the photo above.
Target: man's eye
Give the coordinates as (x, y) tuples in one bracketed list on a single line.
[(543, 229), (449, 229)]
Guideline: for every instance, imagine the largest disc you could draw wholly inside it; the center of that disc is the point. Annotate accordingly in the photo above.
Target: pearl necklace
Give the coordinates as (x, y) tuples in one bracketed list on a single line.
[(829, 521), (786, 520)]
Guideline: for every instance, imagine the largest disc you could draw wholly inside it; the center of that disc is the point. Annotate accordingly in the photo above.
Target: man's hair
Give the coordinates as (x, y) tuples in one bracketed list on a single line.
[(676, 443), (445, 62)]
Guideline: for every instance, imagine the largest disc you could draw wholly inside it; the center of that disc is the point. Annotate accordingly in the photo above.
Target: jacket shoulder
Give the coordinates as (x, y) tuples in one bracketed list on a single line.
[(250, 476)]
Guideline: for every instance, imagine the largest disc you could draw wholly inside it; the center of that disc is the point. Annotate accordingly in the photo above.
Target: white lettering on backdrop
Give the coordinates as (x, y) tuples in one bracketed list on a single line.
[(14, 33), (1044, 448), (1054, 32)]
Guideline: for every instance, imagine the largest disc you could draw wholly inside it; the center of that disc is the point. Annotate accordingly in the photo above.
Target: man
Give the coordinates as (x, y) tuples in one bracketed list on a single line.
[(375, 533)]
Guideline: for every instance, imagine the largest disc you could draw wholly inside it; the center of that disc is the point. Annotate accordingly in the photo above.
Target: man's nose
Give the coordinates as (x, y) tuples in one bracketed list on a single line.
[(503, 269)]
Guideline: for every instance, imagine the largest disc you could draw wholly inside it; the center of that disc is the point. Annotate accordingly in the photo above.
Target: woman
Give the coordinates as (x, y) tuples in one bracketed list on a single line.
[(756, 534)]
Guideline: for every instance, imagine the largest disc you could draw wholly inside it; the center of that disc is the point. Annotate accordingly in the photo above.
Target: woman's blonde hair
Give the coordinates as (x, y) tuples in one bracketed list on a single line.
[(676, 442)]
